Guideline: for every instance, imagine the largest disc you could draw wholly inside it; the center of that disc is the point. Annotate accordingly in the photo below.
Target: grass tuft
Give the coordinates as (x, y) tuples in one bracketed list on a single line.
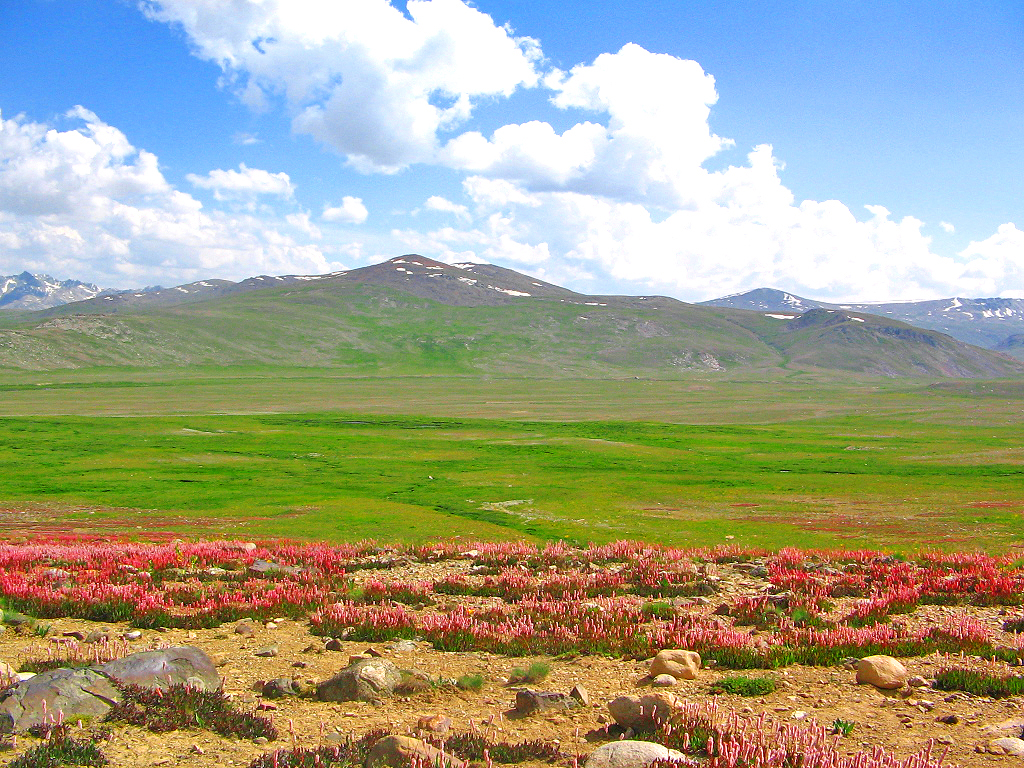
[(741, 685), (536, 672), (979, 683)]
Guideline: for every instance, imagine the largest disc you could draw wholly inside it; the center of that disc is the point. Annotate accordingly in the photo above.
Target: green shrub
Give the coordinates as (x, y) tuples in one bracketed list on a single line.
[(741, 685), (979, 683), (473, 683), (532, 674), (842, 727), (658, 609)]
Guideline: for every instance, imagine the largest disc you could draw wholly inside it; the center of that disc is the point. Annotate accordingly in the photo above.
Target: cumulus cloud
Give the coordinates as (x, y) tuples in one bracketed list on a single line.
[(372, 83), (244, 183), (444, 205), (351, 211), (84, 202), (622, 197), (947, 227)]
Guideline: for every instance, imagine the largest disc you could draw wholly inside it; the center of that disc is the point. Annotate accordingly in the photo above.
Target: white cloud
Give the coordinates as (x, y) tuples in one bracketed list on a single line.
[(351, 211), (947, 227), (438, 203), (651, 150), (85, 203), (244, 183), (246, 139), (365, 79)]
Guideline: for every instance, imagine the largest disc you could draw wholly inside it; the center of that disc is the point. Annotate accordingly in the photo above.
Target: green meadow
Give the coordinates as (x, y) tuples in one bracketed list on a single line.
[(800, 461)]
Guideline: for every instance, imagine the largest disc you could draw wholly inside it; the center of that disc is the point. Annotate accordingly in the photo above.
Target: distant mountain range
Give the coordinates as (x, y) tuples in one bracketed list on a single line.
[(30, 292), (989, 323), (414, 315)]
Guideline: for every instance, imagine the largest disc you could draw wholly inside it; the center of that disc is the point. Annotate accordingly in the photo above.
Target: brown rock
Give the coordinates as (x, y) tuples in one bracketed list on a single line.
[(682, 665), (581, 695), (881, 672), (403, 751), (642, 712), (434, 723)]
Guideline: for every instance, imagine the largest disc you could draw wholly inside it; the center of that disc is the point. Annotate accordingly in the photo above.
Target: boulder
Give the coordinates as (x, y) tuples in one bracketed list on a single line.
[(366, 680), (631, 754), (1008, 745), (73, 692), (404, 751), (529, 702), (642, 713), (682, 665), (881, 672), (182, 665)]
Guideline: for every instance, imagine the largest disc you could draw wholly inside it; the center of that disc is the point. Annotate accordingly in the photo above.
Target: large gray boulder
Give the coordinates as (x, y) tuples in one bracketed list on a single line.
[(183, 665), (364, 680), (73, 692), (632, 754)]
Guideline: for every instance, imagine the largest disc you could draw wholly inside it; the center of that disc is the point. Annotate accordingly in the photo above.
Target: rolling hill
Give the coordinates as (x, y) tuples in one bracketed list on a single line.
[(413, 315)]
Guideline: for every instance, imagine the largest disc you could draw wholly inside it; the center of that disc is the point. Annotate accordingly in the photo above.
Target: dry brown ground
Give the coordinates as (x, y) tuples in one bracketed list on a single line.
[(900, 724)]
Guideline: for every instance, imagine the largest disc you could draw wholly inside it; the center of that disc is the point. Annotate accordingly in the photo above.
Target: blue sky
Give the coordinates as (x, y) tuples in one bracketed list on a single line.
[(861, 151)]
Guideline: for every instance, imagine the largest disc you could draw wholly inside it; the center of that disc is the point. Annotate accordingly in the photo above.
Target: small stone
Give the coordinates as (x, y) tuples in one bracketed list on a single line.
[(918, 682), (799, 715), (581, 695), (132, 634), (948, 719), (300, 664), (664, 681), (334, 644), (266, 651), (261, 740), (372, 653), (245, 628), (270, 625), (434, 723)]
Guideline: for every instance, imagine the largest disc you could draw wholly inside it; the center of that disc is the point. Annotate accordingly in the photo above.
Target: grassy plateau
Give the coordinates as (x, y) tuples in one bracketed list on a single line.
[(798, 461)]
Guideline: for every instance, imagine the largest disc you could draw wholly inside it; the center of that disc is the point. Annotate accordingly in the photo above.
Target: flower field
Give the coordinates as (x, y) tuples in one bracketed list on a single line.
[(739, 608)]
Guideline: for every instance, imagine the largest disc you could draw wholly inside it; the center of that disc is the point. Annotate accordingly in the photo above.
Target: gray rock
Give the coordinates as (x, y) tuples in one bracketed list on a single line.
[(183, 665), (401, 646), (664, 681), (529, 702), (366, 680), (74, 692), (268, 568), (631, 754), (279, 688), (266, 652)]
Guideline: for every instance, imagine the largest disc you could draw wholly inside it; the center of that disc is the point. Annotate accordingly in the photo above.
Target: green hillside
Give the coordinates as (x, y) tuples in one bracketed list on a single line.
[(390, 319)]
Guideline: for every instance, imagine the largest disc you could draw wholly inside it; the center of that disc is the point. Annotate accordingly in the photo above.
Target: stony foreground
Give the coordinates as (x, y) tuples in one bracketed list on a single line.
[(248, 654)]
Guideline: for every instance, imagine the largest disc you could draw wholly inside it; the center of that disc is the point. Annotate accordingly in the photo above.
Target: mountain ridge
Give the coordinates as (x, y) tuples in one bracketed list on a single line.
[(989, 323), (411, 314)]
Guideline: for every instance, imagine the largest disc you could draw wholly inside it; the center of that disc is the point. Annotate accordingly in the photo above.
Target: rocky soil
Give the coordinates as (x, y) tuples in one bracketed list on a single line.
[(902, 720)]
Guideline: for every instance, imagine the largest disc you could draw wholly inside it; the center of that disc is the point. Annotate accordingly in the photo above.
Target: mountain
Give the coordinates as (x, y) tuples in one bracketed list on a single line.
[(988, 323), (30, 292), (413, 315)]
